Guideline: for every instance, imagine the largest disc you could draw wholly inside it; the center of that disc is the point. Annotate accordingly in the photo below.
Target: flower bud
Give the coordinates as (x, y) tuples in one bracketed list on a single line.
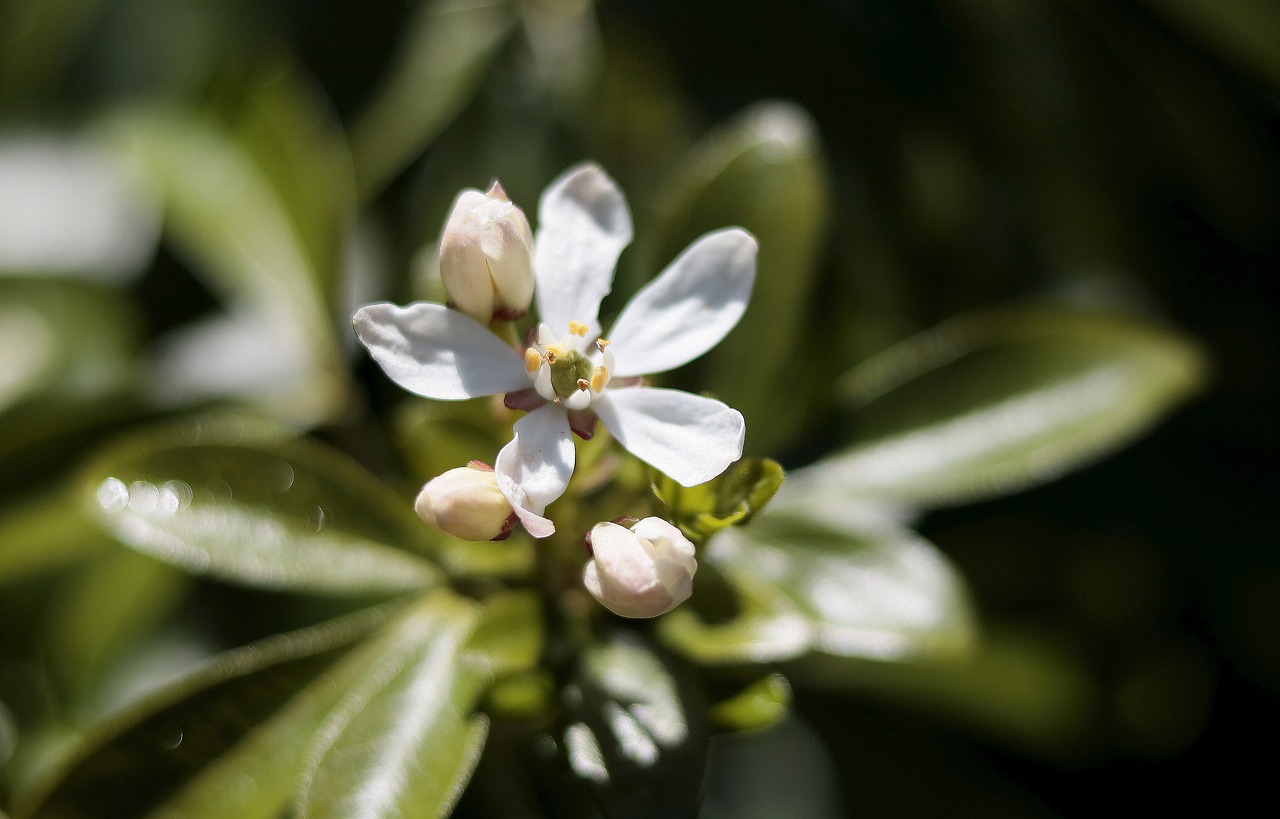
[(466, 503), (643, 571), (486, 256)]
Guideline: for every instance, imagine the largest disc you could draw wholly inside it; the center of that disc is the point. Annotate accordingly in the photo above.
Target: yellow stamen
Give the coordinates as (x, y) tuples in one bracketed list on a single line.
[(601, 343), (531, 360), (599, 378), (583, 384), (577, 328)]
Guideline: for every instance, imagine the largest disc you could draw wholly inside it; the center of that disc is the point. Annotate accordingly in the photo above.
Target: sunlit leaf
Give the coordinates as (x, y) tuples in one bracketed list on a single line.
[(134, 763), (269, 513), (871, 591), (762, 171), (441, 61), (402, 742), (635, 732), (991, 402)]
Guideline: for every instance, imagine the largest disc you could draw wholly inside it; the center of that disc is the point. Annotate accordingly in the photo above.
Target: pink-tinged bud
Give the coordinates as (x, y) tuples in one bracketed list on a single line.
[(642, 571), (486, 256), (466, 503)]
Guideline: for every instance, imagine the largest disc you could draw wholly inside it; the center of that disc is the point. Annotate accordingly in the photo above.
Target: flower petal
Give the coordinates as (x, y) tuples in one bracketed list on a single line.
[(534, 469), (583, 224), (439, 353), (689, 437), (689, 307)]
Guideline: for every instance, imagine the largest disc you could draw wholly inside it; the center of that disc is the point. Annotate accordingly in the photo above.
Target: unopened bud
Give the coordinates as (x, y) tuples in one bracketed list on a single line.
[(466, 503), (486, 256), (641, 571)]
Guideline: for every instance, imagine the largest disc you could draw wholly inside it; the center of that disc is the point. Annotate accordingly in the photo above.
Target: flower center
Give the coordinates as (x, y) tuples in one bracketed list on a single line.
[(561, 373)]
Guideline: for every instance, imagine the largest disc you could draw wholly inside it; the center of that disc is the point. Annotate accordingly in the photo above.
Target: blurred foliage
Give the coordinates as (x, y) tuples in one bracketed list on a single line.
[(215, 598)]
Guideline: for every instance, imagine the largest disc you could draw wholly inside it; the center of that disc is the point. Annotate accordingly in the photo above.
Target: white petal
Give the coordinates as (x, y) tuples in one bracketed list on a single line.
[(534, 469), (689, 307), (689, 437), (439, 353), (583, 224)]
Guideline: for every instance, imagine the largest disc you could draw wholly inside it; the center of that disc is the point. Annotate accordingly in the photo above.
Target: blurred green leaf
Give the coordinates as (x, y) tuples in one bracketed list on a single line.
[(131, 765), (441, 61), (763, 171), (877, 592), (401, 743), (38, 40), (1246, 31), (991, 402), (508, 639), (97, 616), (731, 499), (636, 732), (45, 531), (276, 345), (73, 339), (269, 513), (1018, 688), (761, 704)]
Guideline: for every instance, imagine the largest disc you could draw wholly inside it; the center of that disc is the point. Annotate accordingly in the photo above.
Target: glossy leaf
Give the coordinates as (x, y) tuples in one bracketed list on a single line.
[(991, 402), (762, 171), (131, 765), (635, 732), (268, 513), (402, 742), (872, 591), (440, 64)]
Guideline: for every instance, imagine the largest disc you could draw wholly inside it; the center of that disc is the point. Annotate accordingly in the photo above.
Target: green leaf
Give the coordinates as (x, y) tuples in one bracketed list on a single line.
[(439, 66), (509, 637), (636, 731), (872, 591), (401, 743), (1245, 31), (97, 616), (994, 401), (759, 705), (67, 338), (731, 499), (216, 500), (762, 171), (44, 532), (143, 757), (276, 346)]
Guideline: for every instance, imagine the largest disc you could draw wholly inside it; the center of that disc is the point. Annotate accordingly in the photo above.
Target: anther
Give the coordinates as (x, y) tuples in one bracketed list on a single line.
[(531, 360), (583, 384), (601, 343), (577, 328), (551, 356), (599, 378)]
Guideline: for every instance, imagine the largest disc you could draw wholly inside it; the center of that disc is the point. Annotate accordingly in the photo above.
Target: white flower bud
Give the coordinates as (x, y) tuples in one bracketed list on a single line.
[(466, 503), (643, 571), (486, 256)]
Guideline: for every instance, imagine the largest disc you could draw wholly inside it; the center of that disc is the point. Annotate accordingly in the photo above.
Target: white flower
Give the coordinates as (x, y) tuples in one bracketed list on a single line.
[(486, 256), (570, 373), (643, 571), (466, 503)]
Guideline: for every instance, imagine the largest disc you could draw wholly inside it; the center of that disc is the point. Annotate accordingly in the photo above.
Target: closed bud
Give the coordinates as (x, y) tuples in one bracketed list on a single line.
[(486, 256), (642, 571), (466, 503)]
